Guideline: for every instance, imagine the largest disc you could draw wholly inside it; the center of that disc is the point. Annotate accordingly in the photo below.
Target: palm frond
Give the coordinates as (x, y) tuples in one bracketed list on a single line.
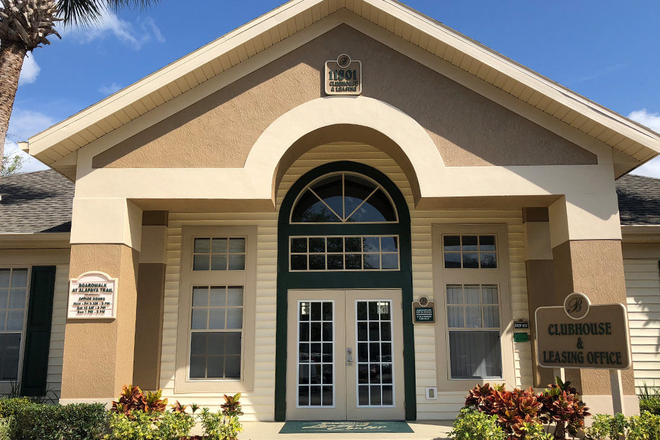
[(86, 12)]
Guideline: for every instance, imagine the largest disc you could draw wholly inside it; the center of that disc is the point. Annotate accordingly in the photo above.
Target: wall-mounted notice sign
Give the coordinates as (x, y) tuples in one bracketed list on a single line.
[(581, 335), (343, 76), (424, 311), (92, 296)]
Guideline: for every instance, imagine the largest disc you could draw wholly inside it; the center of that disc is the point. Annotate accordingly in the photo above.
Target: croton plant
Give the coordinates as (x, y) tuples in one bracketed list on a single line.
[(559, 404)]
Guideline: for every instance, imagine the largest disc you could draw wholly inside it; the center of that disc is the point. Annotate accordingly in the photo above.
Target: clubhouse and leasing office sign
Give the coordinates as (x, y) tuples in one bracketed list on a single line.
[(581, 335)]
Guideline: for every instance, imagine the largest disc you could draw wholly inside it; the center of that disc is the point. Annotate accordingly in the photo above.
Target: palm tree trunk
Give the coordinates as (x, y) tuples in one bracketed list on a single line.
[(11, 62)]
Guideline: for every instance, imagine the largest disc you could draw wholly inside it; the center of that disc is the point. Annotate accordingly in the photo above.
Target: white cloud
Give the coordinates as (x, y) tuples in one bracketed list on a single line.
[(26, 123), (109, 90), (652, 121), (644, 117), (29, 163), (29, 71), (111, 25), (22, 125)]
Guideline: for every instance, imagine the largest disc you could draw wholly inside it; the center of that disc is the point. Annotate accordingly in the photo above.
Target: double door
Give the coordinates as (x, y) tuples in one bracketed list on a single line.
[(345, 355)]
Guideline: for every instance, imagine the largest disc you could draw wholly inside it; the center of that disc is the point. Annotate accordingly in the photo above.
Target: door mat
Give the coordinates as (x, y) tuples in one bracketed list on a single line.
[(343, 427)]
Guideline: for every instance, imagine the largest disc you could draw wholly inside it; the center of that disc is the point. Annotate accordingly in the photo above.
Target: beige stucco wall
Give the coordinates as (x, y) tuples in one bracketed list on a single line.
[(98, 354), (219, 130), (259, 404), (595, 268)]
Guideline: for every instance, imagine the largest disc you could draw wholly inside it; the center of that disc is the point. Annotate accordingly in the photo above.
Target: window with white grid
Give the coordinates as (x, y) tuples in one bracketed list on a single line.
[(216, 332), (215, 343), (473, 320)]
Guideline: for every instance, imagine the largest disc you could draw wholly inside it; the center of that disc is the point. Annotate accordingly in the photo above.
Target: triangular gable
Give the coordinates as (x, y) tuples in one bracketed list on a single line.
[(637, 143)]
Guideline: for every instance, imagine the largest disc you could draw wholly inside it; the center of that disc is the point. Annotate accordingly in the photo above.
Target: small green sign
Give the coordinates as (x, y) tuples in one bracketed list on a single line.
[(424, 314), (520, 337)]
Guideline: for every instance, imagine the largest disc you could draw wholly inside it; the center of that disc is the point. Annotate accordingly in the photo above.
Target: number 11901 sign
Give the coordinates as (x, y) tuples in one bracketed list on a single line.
[(343, 76)]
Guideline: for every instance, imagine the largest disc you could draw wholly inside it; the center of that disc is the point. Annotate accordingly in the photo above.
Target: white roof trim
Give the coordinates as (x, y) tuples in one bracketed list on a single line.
[(49, 145)]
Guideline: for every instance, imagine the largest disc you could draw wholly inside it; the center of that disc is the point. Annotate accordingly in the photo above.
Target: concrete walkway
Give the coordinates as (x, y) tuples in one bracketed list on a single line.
[(424, 430)]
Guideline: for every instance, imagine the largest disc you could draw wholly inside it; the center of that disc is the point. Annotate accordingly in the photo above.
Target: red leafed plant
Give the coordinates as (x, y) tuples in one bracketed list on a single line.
[(133, 399), (512, 408), (562, 405), (559, 404)]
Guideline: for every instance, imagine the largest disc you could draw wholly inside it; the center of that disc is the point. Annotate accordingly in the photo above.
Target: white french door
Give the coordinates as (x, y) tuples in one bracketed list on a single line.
[(345, 355)]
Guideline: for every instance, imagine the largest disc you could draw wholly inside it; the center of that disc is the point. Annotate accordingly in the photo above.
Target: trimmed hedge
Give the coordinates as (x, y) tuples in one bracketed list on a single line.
[(35, 421)]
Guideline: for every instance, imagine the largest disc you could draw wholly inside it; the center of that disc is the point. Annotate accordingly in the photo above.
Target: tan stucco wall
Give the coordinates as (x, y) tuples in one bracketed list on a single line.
[(596, 267), (219, 130), (98, 354)]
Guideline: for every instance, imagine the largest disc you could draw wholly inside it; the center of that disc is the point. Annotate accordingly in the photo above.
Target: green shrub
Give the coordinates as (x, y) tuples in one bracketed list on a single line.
[(223, 425), (649, 400), (154, 426), (642, 427), (37, 421), (474, 425), (4, 428)]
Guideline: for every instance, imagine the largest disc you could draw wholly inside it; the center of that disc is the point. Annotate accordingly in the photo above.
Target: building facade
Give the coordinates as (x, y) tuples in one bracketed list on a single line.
[(270, 215)]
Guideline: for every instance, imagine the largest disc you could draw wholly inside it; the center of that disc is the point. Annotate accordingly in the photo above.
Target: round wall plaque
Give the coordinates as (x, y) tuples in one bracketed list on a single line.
[(423, 301), (576, 305), (343, 61)]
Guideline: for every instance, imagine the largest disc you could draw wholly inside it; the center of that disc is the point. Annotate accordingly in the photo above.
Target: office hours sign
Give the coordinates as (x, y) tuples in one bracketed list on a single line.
[(581, 335), (93, 295)]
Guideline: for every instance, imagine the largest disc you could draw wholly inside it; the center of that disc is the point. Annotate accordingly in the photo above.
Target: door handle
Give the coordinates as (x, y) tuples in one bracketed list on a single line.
[(349, 356)]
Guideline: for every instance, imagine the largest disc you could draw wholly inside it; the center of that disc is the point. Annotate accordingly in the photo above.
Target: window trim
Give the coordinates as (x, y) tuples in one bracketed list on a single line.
[(501, 276), (5, 385), (190, 278)]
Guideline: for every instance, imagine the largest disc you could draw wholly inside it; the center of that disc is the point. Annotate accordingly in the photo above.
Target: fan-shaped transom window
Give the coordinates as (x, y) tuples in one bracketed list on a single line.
[(343, 198)]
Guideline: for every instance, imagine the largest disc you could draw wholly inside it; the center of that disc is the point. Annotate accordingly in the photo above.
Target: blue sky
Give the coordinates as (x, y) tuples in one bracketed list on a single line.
[(605, 50)]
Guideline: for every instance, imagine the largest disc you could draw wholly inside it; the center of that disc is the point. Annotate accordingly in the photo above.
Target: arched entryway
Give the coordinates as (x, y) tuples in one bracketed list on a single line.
[(344, 298)]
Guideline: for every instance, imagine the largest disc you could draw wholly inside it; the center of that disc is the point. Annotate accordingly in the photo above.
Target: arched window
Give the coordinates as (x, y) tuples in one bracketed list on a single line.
[(343, 198)]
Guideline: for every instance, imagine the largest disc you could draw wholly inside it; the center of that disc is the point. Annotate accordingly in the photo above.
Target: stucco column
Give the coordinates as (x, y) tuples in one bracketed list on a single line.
[(99, 353), (540, 271), (150, 300), (586, 249)]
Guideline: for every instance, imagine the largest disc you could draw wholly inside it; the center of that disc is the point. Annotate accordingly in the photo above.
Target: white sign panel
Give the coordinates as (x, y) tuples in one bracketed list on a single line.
[(343, 76), (92, 296)]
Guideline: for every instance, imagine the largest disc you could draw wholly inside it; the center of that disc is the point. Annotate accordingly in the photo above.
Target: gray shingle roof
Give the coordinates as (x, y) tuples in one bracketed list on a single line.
[(36, 202), (639, 200)]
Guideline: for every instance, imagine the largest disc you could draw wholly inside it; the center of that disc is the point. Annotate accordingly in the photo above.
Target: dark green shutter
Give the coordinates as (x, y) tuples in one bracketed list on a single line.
[(37, 336)]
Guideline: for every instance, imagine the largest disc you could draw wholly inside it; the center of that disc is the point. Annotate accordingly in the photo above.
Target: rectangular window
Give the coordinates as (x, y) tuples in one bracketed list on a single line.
[(216, 332), (13, 302), (473, 319), (215, 342), (344, 253), (374, 353), (469, 252), (316, 353), (224, 253), (472, 282)]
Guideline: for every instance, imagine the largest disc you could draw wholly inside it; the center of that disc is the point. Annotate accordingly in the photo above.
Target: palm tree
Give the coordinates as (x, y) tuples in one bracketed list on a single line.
[(26, 25)]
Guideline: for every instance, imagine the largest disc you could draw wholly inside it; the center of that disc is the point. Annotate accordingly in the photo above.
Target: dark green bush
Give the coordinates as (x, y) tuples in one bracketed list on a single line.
[(34, 421)]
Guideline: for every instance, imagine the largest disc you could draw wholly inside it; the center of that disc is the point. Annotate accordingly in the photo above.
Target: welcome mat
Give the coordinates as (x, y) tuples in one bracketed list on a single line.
[(343, 427)]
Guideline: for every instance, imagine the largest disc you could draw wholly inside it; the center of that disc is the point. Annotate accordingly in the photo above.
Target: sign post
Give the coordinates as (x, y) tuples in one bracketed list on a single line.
[(581, 335)]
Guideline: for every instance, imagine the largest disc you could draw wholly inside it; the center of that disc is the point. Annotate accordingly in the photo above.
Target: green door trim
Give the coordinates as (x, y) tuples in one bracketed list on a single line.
[(401, 279)]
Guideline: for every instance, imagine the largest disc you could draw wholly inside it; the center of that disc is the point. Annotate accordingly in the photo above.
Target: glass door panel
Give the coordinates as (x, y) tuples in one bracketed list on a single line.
[(345, 357), (316, 374), (375, 388)]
